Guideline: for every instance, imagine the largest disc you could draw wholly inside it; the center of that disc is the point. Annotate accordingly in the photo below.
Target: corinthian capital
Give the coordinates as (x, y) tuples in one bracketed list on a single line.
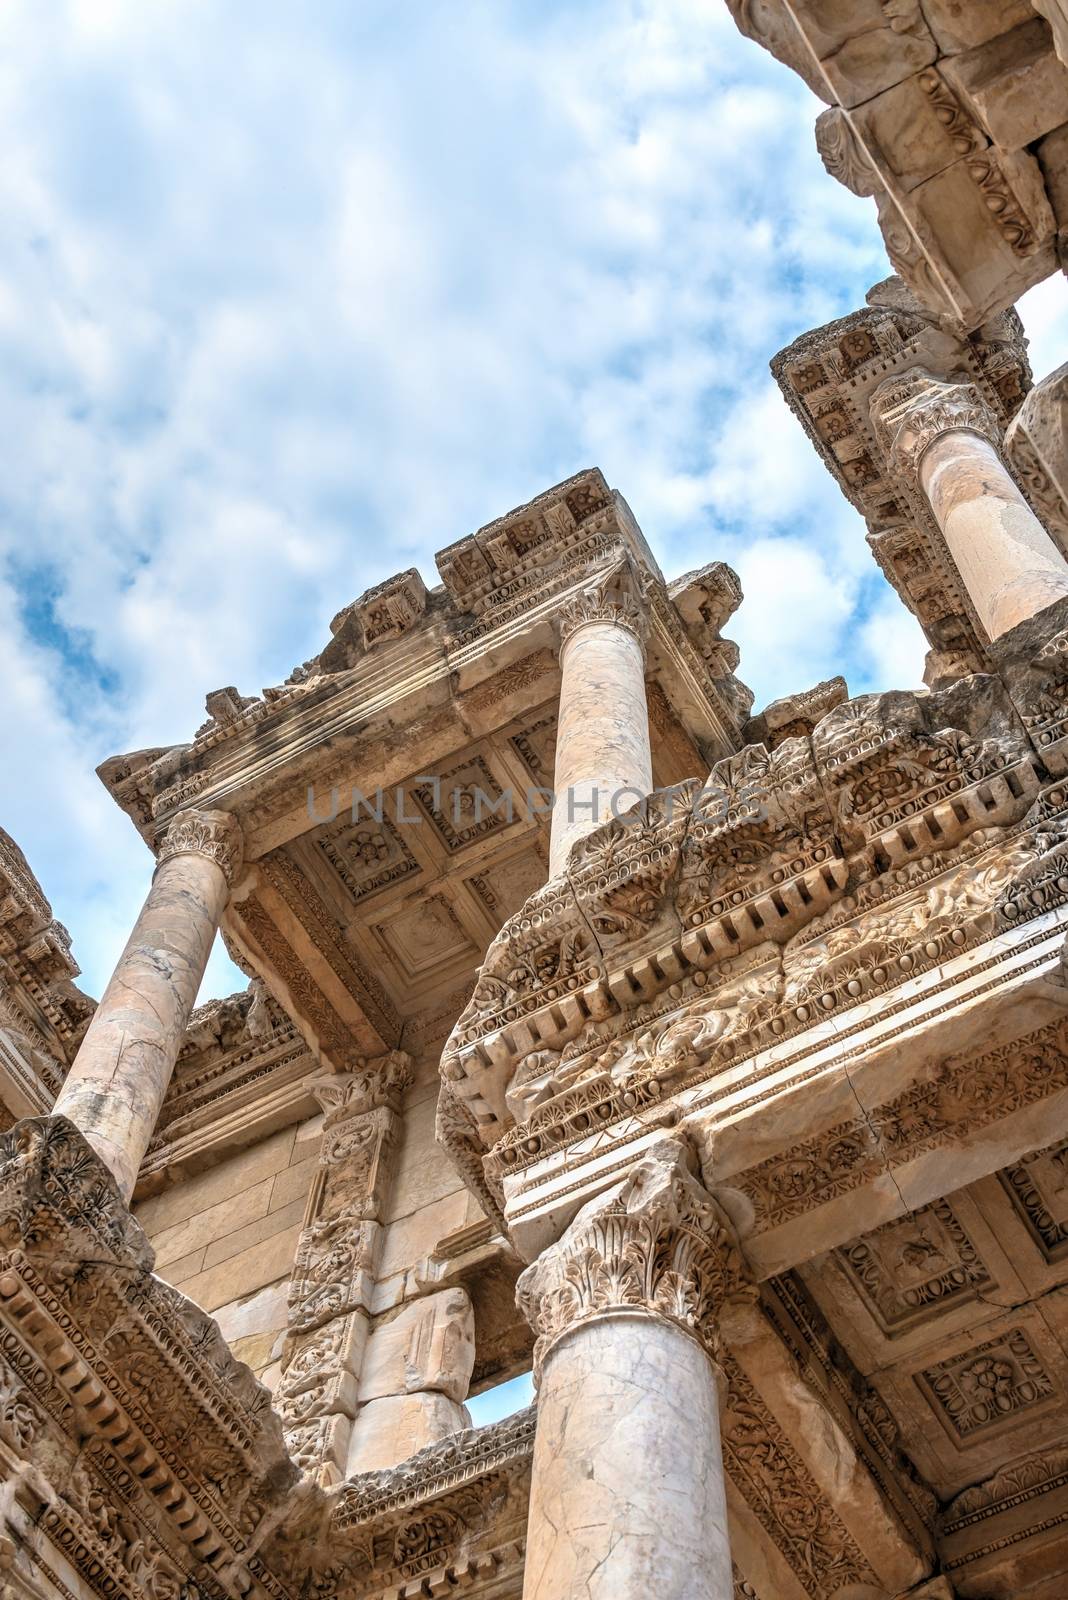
[(618, 595), (913, 409), (377, 1081), (657, 1244), (215, 834)]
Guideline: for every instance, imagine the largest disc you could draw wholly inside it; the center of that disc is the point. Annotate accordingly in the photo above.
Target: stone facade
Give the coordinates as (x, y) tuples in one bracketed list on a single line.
[(711, 1066), (953, 116)]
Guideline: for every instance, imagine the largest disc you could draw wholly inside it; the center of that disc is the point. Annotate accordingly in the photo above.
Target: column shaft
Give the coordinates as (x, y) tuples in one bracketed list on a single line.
[(628, 1497), (116, 1084), (1007, 561), (945, 440), (602, 742), (628, 1493)]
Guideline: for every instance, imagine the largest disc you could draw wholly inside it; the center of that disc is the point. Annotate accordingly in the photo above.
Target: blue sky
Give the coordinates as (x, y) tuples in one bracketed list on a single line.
[(292, 296)]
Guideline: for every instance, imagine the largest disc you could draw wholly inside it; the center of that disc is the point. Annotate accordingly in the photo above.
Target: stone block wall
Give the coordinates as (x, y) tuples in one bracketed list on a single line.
[(227, 1238), (441, 1303), (427, 1201)]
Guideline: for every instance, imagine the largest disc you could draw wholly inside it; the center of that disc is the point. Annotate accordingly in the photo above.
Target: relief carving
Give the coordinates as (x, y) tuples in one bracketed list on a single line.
[(215, 834), (659, 1244)]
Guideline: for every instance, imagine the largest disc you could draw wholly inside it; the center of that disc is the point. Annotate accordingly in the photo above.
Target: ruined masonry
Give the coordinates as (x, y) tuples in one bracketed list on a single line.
[(738, 1113)]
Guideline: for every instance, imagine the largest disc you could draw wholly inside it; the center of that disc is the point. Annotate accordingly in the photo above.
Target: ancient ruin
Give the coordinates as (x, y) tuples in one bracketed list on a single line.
[(713, 1066)]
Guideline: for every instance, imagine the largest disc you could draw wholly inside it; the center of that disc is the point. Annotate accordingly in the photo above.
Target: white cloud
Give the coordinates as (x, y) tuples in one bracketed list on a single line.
[(1044, 310), (286, 307)]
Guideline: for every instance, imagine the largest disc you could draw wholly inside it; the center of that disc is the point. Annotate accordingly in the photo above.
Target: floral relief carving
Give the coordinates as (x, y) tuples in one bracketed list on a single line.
[(214, 834), (914, 1266), (768, 1472), (959, 1095), (659, 1244), (910, 411), (618, 596), (989, 1385), (336, 1257)]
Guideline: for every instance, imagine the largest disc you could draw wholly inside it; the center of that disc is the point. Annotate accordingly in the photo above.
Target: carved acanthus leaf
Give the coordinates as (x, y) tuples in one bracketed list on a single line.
[(617, 596), (215, 834), (912, 410), (657, 1244)]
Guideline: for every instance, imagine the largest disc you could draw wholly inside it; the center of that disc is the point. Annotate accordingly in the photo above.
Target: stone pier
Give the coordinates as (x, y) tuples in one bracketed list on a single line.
[(119, 1077)]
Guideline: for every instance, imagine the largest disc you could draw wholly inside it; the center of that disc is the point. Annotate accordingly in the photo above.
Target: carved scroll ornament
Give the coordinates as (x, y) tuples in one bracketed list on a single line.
[(912, 410), (659, 1244), (215, 834)]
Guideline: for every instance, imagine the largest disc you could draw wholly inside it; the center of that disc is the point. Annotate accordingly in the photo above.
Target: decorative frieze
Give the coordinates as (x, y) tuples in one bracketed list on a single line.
[(671, 922), (956, 1097), (155, 1454), (779, 1490)]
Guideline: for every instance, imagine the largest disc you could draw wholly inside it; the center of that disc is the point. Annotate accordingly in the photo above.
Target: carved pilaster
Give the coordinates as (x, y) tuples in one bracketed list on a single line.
[(617, 596), (658, 1245), (215, 834), (337, 1258), (913, 409)]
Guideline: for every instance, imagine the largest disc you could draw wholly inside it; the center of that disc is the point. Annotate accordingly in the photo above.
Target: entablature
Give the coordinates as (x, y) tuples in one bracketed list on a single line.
[(729, 947), (410, 667), (829, 378), (43, 1014)]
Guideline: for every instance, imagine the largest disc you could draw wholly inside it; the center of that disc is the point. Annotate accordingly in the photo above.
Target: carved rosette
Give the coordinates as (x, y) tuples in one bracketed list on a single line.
[(913, 409), (618, 596), (659, 1245), (215, 834)]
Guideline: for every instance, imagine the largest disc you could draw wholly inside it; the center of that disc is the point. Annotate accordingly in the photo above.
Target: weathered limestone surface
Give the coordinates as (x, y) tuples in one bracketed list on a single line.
[(115, 1088), (1009, 564), (938, 111), (872, 391), (391, 1429), (1036, 447), (429, 1345), (43, 1015), (768, 1082), (603, 758), (623, 1306), (628, 1495), (945, 437)]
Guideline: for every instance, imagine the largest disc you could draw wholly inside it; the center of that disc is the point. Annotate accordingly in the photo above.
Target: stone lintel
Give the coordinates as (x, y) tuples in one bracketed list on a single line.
[(883, 1099)]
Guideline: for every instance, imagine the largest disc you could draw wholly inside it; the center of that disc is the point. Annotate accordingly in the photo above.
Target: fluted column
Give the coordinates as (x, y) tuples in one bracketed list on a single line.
[(628, 1496), (603, 759), (945, 439), (116, 1084)]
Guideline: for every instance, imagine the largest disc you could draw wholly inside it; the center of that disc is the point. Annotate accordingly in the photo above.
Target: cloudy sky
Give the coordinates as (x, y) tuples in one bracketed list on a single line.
[(292, 295)]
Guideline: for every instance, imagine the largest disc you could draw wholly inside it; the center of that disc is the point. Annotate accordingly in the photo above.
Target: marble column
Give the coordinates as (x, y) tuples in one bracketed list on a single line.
[(946, 441), (628, 1495), (116, 1084), (603, 758)]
